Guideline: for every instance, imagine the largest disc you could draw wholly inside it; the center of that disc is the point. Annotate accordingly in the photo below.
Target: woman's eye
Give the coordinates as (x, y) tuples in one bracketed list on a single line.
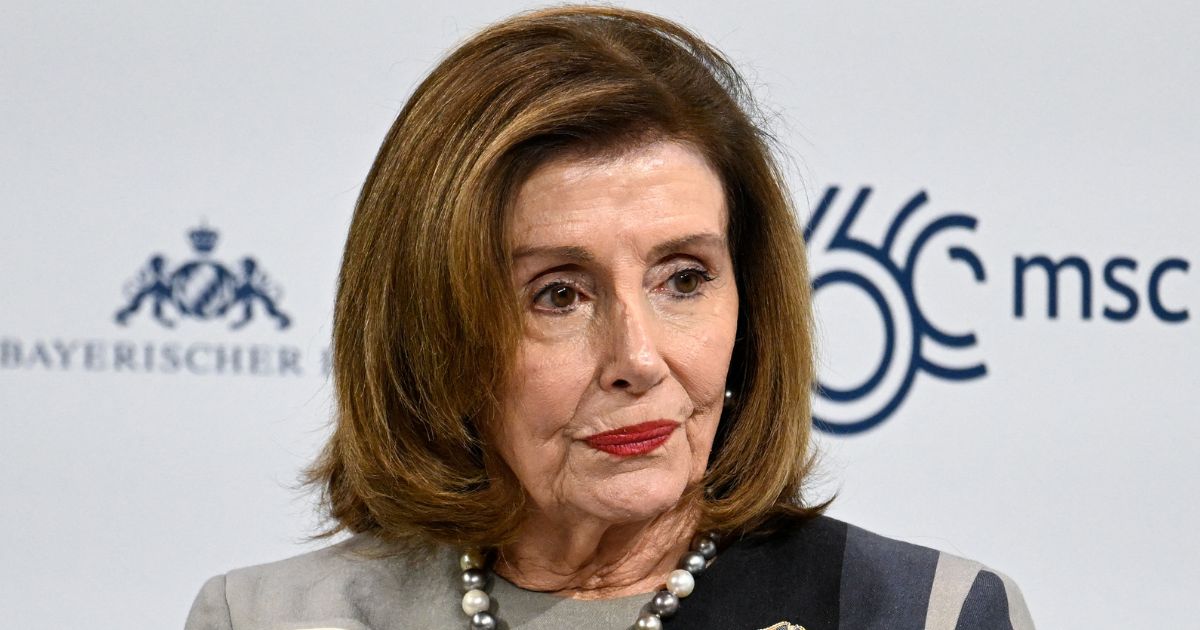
[(558, 297), (686, 282)]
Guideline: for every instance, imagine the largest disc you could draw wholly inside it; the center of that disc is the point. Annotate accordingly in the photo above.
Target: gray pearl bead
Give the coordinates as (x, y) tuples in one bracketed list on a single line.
[(706, 547), (664, 604), (474, 579), (471, 559), (693, 562), (483, 621), (648, 621)]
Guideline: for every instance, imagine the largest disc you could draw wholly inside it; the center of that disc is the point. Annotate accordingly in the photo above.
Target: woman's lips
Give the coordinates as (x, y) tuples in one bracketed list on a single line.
[(637, 439)]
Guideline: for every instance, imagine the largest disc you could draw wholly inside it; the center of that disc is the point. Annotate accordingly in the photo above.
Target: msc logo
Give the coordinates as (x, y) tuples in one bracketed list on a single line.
[(884, 273), (201, 288)]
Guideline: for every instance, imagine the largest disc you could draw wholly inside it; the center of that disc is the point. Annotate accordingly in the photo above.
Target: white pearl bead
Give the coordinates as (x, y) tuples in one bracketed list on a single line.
[(680, 583), (475, 601)]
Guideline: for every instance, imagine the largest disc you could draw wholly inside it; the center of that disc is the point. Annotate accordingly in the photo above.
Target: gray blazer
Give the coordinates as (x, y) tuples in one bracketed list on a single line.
[(824, 574)]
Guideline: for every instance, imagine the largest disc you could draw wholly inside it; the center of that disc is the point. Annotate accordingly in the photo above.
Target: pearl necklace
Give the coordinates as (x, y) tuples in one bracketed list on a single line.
[(680, 583)]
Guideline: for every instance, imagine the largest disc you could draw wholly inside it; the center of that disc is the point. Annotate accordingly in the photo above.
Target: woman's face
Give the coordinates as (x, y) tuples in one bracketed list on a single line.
[(630, 309)]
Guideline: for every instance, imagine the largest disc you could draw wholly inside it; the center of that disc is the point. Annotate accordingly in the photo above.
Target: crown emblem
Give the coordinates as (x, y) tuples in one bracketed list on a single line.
[(204, 239)]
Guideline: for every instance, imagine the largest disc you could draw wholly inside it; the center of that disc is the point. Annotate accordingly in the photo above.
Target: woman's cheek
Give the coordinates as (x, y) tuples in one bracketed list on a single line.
[(703, 349), (550, 378)]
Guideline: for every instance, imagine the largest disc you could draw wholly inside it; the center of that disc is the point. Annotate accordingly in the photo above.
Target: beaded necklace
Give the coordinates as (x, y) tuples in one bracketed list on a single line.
[(680, 583)]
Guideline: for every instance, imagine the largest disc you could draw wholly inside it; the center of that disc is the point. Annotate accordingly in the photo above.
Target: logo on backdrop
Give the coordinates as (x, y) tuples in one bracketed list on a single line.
[(201, 288), (884, 273)]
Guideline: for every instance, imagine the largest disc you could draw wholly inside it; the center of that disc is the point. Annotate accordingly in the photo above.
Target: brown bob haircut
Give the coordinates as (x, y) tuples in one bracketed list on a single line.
[(427, 322)]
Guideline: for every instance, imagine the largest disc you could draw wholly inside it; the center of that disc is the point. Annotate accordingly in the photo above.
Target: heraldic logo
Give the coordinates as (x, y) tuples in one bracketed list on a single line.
[(201, 288), (885, 274)]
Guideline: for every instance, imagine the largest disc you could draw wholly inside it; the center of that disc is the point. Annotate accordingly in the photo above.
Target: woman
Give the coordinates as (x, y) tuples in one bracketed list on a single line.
[(572, 356)]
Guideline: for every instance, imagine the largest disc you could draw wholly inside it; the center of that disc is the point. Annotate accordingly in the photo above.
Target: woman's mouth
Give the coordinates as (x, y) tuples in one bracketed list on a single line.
[(637, 439)]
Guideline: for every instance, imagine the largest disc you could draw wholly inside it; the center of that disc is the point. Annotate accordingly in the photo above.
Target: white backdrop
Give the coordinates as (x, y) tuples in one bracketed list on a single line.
[(139, 459)]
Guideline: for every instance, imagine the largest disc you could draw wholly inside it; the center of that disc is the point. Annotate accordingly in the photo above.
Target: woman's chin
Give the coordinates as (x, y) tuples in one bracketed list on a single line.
[(634, 497)]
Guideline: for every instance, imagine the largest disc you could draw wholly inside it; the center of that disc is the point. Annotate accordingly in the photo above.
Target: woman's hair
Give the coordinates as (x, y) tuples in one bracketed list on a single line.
[(427, 323)]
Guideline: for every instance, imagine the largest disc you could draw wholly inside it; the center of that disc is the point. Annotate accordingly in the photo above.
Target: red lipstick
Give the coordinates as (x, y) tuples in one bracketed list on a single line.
[(637, 439)]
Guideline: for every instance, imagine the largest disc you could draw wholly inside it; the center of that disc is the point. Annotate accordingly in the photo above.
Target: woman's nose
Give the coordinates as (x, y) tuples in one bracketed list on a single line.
[(634, 361)]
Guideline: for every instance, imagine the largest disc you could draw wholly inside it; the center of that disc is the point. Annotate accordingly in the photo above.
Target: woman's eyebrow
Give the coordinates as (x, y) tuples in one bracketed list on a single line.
[(580, 254), (570, 252), (701, 239)]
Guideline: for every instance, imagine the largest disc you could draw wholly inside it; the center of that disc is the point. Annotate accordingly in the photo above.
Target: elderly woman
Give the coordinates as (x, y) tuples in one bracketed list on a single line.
[(573, 358)]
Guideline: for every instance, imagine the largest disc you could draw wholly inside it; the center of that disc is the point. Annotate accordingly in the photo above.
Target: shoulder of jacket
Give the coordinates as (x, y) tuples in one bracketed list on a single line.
[(357, 556), (968, 594), (210, 608), (335, 582), (958, 592)]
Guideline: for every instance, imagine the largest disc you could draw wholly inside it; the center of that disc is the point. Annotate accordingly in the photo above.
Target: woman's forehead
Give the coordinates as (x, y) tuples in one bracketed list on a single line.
[(665, 187)]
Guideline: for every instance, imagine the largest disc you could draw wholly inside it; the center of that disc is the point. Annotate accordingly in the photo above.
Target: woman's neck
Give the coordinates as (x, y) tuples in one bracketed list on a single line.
[(591, 559)]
